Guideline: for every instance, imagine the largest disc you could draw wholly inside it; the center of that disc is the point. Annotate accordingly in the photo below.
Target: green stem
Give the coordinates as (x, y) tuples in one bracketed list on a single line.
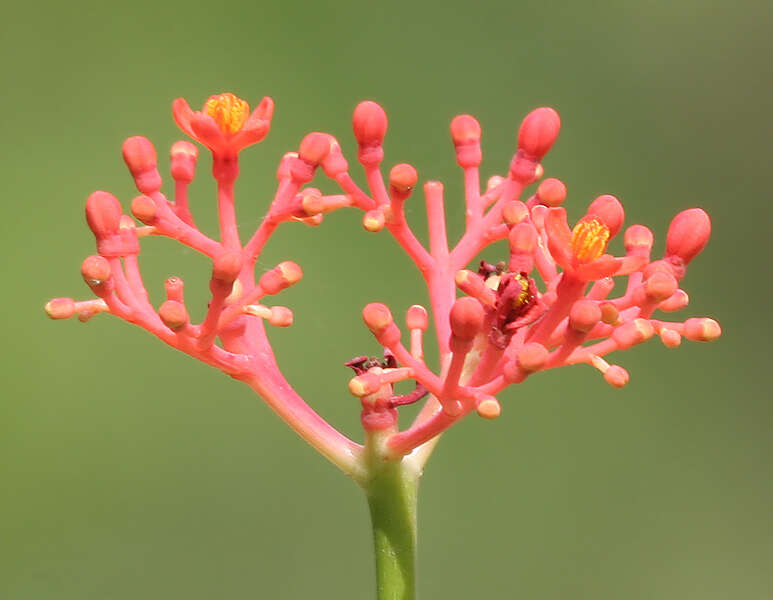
[(391, 492)]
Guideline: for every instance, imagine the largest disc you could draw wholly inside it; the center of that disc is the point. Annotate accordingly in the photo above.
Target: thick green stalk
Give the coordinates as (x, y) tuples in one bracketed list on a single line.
[(391, 490)]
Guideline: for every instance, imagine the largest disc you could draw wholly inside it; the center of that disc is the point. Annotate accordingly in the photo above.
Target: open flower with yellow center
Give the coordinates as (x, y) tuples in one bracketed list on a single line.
[(580, 252), (225, 124)]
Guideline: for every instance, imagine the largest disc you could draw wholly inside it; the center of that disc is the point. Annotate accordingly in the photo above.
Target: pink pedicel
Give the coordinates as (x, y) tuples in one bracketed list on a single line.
[(544, 304)]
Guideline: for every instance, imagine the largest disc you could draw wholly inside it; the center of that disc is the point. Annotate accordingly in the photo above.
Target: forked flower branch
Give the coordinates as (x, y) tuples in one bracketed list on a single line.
[(546, 304)]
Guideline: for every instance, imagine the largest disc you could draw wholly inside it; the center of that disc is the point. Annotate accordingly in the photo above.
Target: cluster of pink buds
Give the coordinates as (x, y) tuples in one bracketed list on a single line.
[(505, 326)]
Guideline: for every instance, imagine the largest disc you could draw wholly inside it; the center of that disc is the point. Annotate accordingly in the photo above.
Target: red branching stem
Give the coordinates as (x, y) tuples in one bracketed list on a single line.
[(181, 207), (229, 232), (170, 225), (472, 195)]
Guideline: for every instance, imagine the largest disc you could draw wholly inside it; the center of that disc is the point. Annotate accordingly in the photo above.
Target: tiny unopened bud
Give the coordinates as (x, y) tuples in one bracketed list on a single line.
[(609, 211), (103, 214), (314, 148), (403, 178), (364, 385), (489, 408), (701, 330), (60, 308), (539, 131), (632, 333), (616, 376), (311, 201), (465, 132), (374, 220), (523, 238), (638, 240), (494, 181), (688, 234), (226, 266), (140, 157), (609, 313), (282, 276), (670, 338), (417, 318), (677, 301), (281, 316), (183, 161), (584, 315), (174, 287), (551, 192), (95, 270), (173, 314), (466, 318), (532, 357), (514, 212), (369, 123), (144, 209), (660, 286), (378, 319)]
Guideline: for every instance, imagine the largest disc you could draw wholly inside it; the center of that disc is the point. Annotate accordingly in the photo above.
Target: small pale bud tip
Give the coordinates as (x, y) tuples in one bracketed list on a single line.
[(609, 211), (660, 286), (173, 314), (314, 148), (465, 130), (374, 220), (377, 317), (551, 192), (584, 315), (688, 234), (140, 156), (532, 357), (489, 408), (369, 123), (702, 330), (60, 308), (183, 161), (226, 266), (616, 376), (103, 213), (403, 177), (539, 131), (514, 212), (638, 237), (95, 269), (281, 316), (523, 238), (144, 209), (364, 385), (466, 318), (417, 318), (670, 338)]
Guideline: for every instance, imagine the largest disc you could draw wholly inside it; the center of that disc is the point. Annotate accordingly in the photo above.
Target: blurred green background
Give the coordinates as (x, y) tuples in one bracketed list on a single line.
[(130, 471)]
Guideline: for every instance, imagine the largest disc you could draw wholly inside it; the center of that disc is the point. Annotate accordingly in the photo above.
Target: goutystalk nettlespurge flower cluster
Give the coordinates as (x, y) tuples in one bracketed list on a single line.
[(506, 325)]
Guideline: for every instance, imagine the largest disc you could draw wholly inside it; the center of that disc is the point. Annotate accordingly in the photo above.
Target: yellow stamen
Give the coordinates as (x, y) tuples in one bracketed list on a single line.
[(523, 297), (229, 111), (589, 240)]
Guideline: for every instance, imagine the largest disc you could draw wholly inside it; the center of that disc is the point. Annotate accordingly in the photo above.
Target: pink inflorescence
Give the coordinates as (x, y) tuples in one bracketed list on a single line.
[(547, 304)]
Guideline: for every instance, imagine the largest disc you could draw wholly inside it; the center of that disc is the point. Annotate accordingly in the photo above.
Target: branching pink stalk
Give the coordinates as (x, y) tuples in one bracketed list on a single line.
[(546, 304)]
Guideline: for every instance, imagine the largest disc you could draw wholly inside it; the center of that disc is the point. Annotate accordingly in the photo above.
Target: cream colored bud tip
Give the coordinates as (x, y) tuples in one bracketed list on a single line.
[(489, 408)]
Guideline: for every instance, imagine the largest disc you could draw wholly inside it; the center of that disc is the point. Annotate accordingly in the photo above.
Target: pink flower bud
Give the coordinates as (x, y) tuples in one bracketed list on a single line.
[(103, 214), (334, 163), (660, 286), (584, 315), (609, 313), (281, 316), (465, 132), (60, 308), (183, 161), (638, 240), (403, 178), (140, 157), (551, 192), (532, 357), (314, 148), (282, 276), (677, 301), (609, 211), (365, 384), (378, 319), (702, 330), (616, 376), (488, 408), (670, 338), (369, 123), (632, 333), (523, 238), (688, 234), (226, 266), (374, 220), (514, 212), (538, 132), (466, 318), (173, 314), (144, 209), (417, 318), (95, 270)]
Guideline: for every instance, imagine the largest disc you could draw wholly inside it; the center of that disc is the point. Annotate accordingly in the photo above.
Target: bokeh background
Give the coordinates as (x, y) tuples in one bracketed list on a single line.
[(129, 471)]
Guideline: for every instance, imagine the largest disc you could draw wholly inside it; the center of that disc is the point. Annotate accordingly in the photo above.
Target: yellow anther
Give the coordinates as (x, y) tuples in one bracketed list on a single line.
[(523, 297), (589, 240), (229, 111)]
